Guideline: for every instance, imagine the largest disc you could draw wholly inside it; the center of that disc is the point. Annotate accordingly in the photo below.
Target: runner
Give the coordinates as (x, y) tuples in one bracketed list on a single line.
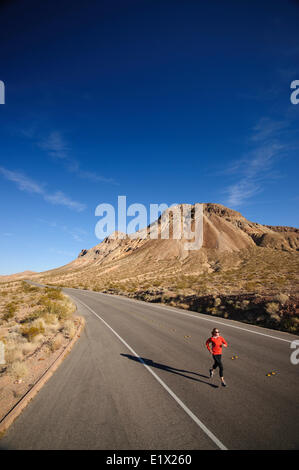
[(217, 343)]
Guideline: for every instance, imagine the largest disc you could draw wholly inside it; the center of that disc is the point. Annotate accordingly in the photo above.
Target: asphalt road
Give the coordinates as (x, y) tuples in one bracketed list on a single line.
[(138, 379)]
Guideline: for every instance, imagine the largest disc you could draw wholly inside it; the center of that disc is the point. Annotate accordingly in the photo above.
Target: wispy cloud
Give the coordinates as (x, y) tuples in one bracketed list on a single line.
[(57, 147), (268, 145), (77, 234), (89, 175), (74, 167), (267, 128), (26, 184), (241, 191), (23, 182), (59, 198)]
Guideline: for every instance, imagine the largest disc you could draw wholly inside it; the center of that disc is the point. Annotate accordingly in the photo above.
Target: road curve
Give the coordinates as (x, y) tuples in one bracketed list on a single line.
[(138, 379)]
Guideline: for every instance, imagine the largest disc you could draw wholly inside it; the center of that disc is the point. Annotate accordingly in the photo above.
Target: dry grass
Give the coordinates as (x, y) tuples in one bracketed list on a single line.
[(31, 317), (18, 370), (36, 324), (258, 270), (56, 342)]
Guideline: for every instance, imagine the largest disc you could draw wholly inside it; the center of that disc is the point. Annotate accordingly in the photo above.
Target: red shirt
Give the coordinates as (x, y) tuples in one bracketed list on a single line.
[(217, 342)]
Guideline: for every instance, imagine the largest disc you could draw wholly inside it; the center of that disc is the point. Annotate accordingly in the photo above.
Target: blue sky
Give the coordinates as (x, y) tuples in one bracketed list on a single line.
[(161, 101)]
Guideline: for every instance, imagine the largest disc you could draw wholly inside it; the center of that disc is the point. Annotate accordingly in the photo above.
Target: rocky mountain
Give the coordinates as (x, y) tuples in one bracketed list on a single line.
[(243, 269), (224, 230), (228, 237)]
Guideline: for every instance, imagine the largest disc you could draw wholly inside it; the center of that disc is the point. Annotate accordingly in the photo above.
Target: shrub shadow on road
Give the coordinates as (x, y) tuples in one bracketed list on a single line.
[(173, 370)]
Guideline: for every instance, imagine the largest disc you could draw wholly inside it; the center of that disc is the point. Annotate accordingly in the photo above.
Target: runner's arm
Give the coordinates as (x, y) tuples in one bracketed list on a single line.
[(207, 344)]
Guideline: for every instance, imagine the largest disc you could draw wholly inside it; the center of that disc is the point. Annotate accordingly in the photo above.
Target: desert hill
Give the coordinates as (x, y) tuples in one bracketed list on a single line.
[(227, 238), (245, 270), (224, 230), (16, 276)]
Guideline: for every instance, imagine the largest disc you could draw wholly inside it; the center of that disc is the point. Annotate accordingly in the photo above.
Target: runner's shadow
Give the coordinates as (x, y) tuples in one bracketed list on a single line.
[(173, 370)]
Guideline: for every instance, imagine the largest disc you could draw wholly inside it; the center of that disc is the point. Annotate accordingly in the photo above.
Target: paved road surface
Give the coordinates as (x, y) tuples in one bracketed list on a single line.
[(138, 379)]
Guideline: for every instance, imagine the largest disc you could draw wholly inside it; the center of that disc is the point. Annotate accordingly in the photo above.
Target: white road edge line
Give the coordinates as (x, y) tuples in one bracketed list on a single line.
[(232, 326), (214, 320), (176, 398)]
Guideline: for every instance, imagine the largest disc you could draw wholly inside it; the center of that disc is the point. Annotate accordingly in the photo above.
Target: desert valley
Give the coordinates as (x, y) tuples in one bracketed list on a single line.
[(244, 271)]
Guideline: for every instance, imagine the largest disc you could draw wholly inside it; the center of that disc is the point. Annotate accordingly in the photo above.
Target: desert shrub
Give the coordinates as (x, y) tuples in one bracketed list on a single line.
[(69, 329), (212, 310), (13, 353), (39, 323), (29, 332), (49, 318), (275, 318), (281, 298), (50, 295), (251, 286), (272, 308), (56, 343), (54, 294), (15, 340), (49, 306), (290, 324), (18, 370), (38, 339), (44, 301), (184, 306), (14, 330), (33, 329), (53, 329), (32, 316), (65, 311), (25, 287), (28, 348), (9, 311), (55, 308), (244, 304)]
